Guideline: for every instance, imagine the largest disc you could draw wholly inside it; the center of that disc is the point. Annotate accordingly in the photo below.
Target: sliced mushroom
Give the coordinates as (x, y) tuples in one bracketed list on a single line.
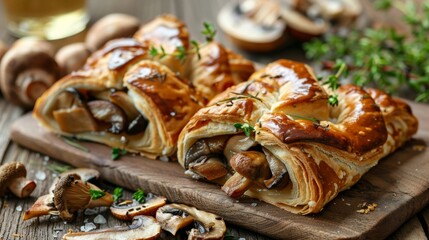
[(143, 227), (250, 167), (206, 153), (137, 125), (120, 98), (237, 144), (72, 57), (245, 29), (279, 175), (44, 205), (301, 26), (72, 194), (27, 70), (173, 217), (108, 112), (110, 27), (75, 120), (85, 174), (13, 178), (126, 210)]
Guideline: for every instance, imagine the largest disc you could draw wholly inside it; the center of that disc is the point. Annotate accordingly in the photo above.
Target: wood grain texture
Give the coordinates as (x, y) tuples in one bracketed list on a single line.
[(398, 184)]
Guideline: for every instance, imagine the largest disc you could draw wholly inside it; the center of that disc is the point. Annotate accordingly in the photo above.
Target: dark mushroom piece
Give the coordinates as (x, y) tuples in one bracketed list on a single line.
[(205, 158), (251, 167), (108, 112), (85, 174), (27, 70), (13, 177), (72, 57), (173, 217), (143, 227), (70, 195), (128, 209)]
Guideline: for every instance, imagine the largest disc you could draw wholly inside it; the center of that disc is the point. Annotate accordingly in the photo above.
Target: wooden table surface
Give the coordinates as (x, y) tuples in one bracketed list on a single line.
[(193, 12)]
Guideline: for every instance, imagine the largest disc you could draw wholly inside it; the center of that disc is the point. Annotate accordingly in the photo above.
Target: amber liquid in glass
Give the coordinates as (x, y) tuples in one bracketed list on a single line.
[(49, 19)]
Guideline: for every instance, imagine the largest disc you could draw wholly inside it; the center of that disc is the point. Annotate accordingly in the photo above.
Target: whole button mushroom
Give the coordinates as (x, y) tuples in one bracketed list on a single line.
[(112, 26), (72, 57), (27, 70), (13, 178)]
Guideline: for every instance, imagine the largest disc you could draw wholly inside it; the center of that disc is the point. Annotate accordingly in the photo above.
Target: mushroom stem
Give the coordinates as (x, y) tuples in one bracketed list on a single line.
[(237, 185), (33, 83), (22, 187)]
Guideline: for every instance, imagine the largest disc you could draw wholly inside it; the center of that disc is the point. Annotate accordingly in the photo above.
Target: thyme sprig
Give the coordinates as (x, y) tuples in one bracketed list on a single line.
[(247, 128), (117, 193), (383, 58), (333, 81), (139, 196), (181, 54), (118, 152)]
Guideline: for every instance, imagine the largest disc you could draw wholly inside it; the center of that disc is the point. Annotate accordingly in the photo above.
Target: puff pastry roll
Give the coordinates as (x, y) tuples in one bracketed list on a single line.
[(144, 114), (276, 138), (170, 33)]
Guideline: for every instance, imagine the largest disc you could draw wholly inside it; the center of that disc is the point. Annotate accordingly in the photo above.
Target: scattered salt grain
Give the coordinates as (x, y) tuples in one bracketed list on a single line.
[(46, 158), (254, 204), (90, 211), (99, 219), (242, 238), (18, 208), (88, 227), (40, 175)]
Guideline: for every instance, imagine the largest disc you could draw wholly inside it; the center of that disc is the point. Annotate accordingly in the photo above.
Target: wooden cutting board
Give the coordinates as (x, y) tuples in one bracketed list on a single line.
[(399, 184)]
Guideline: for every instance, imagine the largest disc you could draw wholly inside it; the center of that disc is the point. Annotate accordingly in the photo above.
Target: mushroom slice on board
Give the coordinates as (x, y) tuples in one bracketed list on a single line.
[(143, 227), (13, 177), (173, 217), (85, 174), (128, 209), (44, 205)]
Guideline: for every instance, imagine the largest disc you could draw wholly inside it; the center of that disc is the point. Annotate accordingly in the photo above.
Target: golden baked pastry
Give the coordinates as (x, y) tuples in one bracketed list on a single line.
[(126, 98), (277, 139)]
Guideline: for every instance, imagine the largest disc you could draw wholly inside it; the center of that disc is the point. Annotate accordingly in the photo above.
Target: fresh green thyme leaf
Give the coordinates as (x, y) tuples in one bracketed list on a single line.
[(247, 129), (74, 143), (139, 196), (312, 119), (333, 100), (181, 53), (196, 48), (153, 52), (96, 194), (117, 193), (117, 153), (209, 31), (59, 168)]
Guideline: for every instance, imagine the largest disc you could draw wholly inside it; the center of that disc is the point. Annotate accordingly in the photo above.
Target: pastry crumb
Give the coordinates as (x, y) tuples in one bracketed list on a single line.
[(366, 208), (419, 148), (16, 235)]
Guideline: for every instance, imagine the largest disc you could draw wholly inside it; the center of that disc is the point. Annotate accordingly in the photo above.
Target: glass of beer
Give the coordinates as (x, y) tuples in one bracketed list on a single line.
[(49, 19)]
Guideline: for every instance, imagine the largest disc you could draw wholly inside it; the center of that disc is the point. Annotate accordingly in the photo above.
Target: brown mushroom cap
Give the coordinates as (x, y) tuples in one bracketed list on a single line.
[(3, 49), (27, 70), (85, 174), (143, 227), (250, 164), (72, 57), (9, 172), (111, 26), (172, 217)]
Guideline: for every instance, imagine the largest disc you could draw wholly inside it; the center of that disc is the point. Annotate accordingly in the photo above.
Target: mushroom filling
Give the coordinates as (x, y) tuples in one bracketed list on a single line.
[(79, 111), (248, 163)]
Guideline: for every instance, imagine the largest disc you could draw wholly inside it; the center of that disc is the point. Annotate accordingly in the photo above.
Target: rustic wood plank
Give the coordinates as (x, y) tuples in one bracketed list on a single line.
[(8, 114), (398, 185), (410, 231)]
